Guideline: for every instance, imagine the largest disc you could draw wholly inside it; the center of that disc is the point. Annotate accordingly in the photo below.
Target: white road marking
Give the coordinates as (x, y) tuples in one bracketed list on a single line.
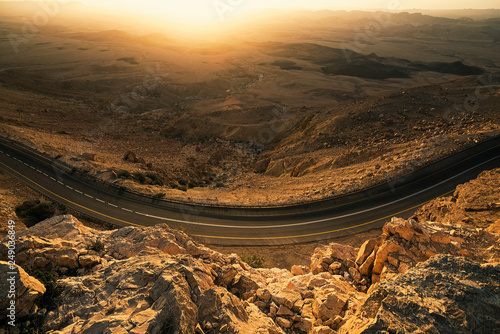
[(100, 200), (32, 167), (60, 183), (127, 210), (78, 191), (326, 219), (114, 206), (45, 174), (140, 213), (39, 171), (69, 187), (88, 196), (52, 178), (7, 154), (25, 164)]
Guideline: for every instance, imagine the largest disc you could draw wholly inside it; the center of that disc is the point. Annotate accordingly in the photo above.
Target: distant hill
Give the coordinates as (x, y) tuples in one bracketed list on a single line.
[(346, 62), (475, 14)]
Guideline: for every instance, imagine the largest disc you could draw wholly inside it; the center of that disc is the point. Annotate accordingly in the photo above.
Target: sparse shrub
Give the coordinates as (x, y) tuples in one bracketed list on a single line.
[(34, 212), (158, 182), (140, 177), (123, 174), (49, 301), (60, 207), (183, 182), (160, 195), (174, 185), (182, 188), (193, 184), (155, 179), (254, 260), (53, 289), (97, 246), (152, 176), (219, 185)]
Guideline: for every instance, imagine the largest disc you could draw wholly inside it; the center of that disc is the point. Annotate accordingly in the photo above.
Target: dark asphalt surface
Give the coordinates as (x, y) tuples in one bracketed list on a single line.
[(314, 221)]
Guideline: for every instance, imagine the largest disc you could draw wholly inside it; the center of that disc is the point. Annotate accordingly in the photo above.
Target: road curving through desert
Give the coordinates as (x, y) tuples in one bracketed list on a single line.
[(218, 225)]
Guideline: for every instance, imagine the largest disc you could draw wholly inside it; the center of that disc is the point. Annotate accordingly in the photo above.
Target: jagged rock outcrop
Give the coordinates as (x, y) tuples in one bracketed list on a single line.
[(151, 280), (445, 294), (402, 245), (144, 280), (474, 203), (152, 294)]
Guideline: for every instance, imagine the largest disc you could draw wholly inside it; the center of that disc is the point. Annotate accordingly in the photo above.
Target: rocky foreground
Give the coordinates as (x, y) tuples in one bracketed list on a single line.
[(417, 276), (158, 280)]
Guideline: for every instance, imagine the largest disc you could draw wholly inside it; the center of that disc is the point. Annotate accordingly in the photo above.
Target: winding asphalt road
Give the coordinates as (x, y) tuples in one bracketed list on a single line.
[(214, 225)]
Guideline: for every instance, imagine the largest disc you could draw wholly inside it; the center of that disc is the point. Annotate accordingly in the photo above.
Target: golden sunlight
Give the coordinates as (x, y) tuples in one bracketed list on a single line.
[(189, 13)]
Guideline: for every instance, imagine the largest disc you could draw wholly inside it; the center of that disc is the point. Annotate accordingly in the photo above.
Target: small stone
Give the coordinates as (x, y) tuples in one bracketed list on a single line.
[(284, 311), (284, 323), (335, 266), (263, 294), (354, 273)]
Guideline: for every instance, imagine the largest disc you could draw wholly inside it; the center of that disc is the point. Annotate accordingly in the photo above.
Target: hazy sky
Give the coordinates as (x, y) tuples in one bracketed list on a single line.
[(196, 13), (317, 4)]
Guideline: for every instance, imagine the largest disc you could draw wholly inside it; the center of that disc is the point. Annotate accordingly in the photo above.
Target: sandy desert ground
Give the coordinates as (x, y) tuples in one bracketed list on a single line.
[(280, 109)]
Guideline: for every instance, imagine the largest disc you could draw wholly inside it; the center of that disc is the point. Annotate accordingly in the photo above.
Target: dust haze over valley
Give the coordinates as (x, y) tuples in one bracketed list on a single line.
[(276, 108)]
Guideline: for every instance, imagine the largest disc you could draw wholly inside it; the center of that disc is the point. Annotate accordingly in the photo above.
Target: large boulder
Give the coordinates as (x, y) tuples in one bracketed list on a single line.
[(66, 227)]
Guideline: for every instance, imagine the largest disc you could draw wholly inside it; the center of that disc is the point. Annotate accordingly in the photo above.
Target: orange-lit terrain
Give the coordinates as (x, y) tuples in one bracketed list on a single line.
[(232, 105), (297, 97)]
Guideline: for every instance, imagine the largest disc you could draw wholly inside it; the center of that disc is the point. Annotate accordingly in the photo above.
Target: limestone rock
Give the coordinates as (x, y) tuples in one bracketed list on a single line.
[(445, 292), (366, 268), (356, 276), (299, 270), (285, 297), (322, 330), (472, 203), (365, 250), (148, 280), (27, 291), (66, 227), (284, 323), (387, 247), (284, 311), (263, 294)]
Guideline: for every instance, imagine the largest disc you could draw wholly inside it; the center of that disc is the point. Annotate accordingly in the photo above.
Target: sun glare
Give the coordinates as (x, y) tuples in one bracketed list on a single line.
[(188, 13)]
